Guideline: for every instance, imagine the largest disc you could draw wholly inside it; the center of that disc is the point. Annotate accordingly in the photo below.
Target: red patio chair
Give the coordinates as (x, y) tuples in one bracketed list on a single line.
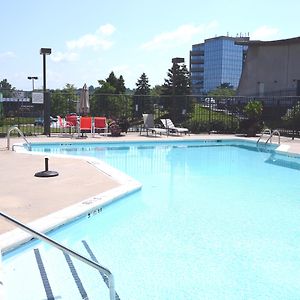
[(100, 125), (85, 124)]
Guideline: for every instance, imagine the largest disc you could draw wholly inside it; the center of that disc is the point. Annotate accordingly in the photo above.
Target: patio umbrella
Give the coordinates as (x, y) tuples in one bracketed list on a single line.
[(84, 105)]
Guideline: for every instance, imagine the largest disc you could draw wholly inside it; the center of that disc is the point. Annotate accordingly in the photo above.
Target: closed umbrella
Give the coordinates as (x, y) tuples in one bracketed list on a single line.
[(84, 105)]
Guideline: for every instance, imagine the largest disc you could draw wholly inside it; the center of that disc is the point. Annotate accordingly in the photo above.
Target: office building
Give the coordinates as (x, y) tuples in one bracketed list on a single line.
[(271, 68), (218, 60)]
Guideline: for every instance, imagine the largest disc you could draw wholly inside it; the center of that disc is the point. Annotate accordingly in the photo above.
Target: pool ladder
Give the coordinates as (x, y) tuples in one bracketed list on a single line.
[(65, 250), (20, 133), (271, 134)]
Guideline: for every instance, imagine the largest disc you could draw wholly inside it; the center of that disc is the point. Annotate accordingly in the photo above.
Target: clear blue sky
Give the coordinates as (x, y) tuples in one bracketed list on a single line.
[(91, 38)]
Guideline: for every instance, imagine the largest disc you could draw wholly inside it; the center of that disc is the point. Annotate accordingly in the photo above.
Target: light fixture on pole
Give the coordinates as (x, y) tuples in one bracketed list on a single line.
[(33, 78), (44, 52)]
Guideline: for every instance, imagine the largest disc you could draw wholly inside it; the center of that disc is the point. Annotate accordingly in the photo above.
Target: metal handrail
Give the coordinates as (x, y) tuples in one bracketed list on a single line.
[(59, 246), (270, 138), (21, 134), (265, 131)]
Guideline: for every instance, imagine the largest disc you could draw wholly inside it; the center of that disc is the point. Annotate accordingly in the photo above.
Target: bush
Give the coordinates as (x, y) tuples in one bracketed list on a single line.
[(291, 118), (222, 126), (253, 110)]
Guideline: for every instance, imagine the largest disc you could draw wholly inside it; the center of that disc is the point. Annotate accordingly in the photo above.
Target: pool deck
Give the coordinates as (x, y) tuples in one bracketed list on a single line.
[(82, 184)]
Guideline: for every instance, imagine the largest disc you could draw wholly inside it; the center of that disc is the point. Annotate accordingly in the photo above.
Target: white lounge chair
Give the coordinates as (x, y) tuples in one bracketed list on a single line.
[(168, 124), (149, 125)]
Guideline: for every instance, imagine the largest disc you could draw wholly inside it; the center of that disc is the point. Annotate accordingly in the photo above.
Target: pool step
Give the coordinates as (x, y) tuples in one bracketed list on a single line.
[(56, 277), (76, 277), (93, 257), (43, 273)]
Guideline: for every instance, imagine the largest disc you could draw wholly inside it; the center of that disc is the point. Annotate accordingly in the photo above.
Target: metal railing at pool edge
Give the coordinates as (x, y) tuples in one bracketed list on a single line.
[(59, 246), (271, 134), (20, 133)]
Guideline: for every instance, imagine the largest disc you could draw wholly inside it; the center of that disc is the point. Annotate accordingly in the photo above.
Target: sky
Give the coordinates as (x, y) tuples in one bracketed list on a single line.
[(90, 39)]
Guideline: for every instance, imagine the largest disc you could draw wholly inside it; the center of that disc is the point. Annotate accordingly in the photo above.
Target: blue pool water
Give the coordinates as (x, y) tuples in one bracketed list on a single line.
[(214, 220)]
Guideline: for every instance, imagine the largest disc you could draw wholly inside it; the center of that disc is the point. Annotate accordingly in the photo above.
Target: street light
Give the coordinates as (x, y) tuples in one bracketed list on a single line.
[(177, 60), (33, 78), (44, 52)]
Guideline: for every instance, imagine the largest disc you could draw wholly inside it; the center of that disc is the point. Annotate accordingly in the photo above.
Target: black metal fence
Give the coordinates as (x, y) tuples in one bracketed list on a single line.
[(201, 114)]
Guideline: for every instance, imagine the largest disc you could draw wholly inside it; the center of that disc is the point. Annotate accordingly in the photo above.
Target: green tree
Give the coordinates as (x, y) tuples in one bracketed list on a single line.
[(142, 85), (106, 102), (6, 89), (142, 100), (253, 111), (292, 117), (156, 91), (225, 89), (117, 83), (175, 91), (120, 88), (178, 81), (112, 79), (63, 101)]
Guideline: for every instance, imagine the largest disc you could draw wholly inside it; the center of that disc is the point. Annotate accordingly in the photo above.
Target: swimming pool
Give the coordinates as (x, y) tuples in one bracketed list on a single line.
[(214, 220)]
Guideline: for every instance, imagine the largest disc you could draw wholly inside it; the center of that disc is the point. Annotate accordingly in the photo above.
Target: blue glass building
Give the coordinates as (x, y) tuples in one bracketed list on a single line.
[(218, 60)]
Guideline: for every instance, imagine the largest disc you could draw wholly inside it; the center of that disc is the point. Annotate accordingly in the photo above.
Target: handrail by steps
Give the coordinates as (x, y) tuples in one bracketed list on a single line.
[(59, 246), (265, 131), (270, 137), (271, 133), (21, 134)]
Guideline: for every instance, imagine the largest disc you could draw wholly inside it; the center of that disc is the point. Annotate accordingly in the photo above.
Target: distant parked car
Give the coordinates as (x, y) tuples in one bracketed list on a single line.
[(209, 101)]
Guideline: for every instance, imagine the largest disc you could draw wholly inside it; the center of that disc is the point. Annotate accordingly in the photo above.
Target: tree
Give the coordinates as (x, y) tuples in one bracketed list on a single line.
[(175, 90), (107, 102), (117, 83), (63, 101), (253, 111), (6, 89), (178, 82), (292, 117), (225, 89), (143, 86), (120, 88), (112, 79), (141, 102), (156, 91)]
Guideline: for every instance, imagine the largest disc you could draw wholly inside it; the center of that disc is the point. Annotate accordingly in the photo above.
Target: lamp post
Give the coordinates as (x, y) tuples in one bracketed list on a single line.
[(33, 78), (44, 52)]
